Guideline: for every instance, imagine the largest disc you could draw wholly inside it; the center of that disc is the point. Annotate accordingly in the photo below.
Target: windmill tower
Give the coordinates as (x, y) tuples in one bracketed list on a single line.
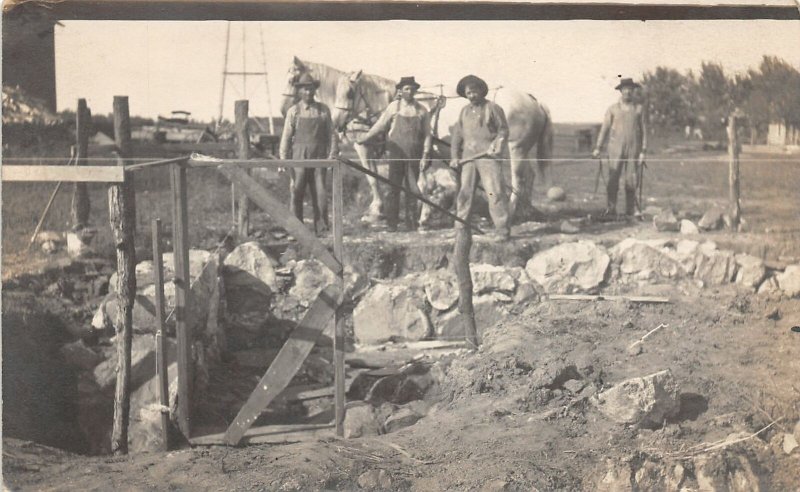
[(244, 74)]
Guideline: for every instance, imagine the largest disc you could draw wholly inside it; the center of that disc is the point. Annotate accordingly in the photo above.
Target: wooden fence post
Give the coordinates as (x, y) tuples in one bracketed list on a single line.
[(243, 152), (122, 215), (162, 368), (180, 247), (465, 308), (733, 171), (80, 196), (338, 318)]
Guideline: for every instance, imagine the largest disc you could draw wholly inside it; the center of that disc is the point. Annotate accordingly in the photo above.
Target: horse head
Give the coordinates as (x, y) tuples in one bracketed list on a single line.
[(346, 103), (289, 94)]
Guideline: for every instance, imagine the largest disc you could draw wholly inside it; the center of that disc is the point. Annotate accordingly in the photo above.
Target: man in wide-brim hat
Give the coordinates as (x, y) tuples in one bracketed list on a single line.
[(308, 133), (408, 146), (624, 135), (482, 130)]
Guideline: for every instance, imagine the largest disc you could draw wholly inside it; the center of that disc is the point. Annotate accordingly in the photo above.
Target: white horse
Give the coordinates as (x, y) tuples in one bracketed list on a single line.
[(380, 92), (529, 122)]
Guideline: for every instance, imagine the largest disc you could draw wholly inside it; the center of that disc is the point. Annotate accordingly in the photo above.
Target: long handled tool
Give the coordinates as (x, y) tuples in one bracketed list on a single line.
[(640, 185), (599, 175), (380, 178), (39, 225)]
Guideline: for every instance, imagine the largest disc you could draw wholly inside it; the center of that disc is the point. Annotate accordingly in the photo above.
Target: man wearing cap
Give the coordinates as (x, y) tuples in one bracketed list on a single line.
[(481, 131), (308, 133), (624, 132), (408, 147)]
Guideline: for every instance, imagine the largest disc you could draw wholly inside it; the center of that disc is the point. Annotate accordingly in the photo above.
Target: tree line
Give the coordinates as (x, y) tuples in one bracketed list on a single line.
[(767, 94)]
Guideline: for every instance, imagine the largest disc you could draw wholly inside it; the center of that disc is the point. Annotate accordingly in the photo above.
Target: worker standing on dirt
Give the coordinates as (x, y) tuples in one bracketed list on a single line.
[(308, 133), (408, 147), (624, 132), (482, 131)]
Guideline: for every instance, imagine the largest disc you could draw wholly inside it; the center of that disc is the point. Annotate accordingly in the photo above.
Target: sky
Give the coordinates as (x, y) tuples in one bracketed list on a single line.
[(571, 66)]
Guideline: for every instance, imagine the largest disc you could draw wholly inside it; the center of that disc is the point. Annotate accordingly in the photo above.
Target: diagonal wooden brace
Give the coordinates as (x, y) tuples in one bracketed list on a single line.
[(286, 363), (264, 199)]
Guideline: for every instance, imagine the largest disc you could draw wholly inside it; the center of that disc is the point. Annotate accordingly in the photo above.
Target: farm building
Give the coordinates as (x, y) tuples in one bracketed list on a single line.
[(29, 61), (574, 138), (782, 134)]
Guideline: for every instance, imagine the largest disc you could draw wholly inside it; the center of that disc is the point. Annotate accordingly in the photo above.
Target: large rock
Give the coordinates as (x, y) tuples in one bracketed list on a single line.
[(439, 184), (712, 219), (556, 194), (645, 401), (716, 268), (403, 417), (79, 355), (441, 290), (249, 266), (360, 420), (143, 363), (391, 311), (789, 281), (643, 261), (666, 221), (377, 479), (144, 432), (488, 310), (310, 277), (723, 472), (769, 286), (490, 278), (751, 271), (570, 267), (688, 227)]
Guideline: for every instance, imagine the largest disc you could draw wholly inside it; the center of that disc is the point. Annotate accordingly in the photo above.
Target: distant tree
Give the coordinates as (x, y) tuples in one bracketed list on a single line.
[(779, 83), (715, 97), (668, 98)]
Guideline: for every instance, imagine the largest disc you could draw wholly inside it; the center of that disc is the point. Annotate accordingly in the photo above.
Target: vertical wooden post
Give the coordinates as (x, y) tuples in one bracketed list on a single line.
[(180, 246), (243, 152), (161, 342), (465, 308), (338, 317), (733, 171), (80, 195), (122, 215)]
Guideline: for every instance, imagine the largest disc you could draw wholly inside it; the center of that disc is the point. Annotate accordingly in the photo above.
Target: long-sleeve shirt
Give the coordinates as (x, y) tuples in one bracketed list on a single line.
[(624, 130), (486, 114), (402, 108), (302, 110)]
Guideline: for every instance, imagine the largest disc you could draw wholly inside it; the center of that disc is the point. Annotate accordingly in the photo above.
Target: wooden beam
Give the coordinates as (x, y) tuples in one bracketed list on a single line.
[(286, 363), (81, 206), (465, 307), (180, 247), (733, 172), (243, 153), (338, 318), (122, 215), (72, 174), (278, 211), (586, 297), (162, 367), (275, 163)]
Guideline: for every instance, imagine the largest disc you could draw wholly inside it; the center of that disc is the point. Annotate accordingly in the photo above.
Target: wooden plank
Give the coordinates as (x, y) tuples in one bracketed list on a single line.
[(265, 163), (81, 206), (465, 307), (338, 319), (282, 215), (201, 147), (180, 245), (586, 297), (287, 362), (243, 153), (122, 215), (271, 434), (161, 341), (71, 174)]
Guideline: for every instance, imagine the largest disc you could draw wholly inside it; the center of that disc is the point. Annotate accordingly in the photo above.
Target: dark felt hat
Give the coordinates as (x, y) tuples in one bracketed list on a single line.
[(305, 79), (626, 83), (408, 81), (473, 81)]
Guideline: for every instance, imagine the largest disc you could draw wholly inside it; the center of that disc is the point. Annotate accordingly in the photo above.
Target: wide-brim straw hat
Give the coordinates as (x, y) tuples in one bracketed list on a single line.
[(408, 81), (474, 81), (306, 80), (626, 83)]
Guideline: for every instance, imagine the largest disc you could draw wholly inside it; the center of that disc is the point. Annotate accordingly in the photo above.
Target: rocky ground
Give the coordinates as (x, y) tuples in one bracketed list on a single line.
[(600, 393)]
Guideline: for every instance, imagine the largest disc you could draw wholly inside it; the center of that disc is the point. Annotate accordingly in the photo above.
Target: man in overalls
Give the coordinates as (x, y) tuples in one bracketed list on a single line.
[(308, 133), (481, 130), (408, 146), (625, 133)]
